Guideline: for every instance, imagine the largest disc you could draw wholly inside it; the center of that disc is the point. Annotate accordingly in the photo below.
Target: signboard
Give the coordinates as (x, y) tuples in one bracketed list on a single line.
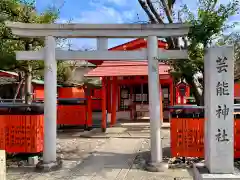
[(219, 109)]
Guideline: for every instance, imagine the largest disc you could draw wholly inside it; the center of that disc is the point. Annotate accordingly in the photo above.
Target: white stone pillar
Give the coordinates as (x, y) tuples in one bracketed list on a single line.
[(50, 101), (219, 108), (154, 99), (102, 44)]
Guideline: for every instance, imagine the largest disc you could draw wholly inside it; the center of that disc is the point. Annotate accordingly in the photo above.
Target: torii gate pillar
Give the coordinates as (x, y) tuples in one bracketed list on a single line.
[(154, 100), (50, 101), (50, 107)]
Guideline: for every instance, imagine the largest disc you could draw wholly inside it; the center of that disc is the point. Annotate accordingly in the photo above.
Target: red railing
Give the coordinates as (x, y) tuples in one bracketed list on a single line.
[(187, 137)]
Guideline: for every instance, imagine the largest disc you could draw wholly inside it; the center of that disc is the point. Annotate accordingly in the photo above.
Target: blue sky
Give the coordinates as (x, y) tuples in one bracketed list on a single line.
[(103, 11)]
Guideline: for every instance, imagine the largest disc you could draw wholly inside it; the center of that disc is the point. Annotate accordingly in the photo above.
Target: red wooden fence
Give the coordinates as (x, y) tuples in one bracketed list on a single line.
[(187, 137), (21, 133)]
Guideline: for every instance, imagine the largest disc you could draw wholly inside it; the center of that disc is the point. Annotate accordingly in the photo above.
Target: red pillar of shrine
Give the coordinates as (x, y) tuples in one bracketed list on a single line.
[(132, 106), (104, 105), (109, 96), (114, 101), (171, 93), (161, 104), (89, 110)]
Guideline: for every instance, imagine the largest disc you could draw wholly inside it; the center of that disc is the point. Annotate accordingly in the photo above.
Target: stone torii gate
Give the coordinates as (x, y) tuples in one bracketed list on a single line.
[(220, 58)]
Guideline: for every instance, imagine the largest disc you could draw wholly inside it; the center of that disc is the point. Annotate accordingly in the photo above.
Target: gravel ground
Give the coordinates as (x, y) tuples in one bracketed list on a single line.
[(74, 149), (70, 148)]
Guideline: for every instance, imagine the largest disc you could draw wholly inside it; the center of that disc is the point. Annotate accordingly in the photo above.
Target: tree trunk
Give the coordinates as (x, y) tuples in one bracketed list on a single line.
[(197, 95), (18, 90), (28, 85), (202, 98)]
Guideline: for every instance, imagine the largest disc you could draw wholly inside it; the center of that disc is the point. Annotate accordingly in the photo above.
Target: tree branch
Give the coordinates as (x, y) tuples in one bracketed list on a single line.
[(183, 38), (170, 4), (37, 69), (167, 11), (147, 11), (154, 11), (12, 38), (150, 10)]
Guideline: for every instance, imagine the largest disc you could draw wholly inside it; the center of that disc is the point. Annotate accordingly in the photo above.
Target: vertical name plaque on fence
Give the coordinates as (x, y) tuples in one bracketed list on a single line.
[(219, 109)]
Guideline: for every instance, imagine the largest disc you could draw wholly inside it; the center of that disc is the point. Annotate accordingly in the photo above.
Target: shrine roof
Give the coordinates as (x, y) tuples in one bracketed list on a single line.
[(125, 68)]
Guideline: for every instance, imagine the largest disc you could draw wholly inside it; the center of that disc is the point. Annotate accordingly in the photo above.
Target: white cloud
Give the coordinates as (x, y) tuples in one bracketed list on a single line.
[(101, 13), (113, 2), (237, 28), (118, 2), (129, 15)]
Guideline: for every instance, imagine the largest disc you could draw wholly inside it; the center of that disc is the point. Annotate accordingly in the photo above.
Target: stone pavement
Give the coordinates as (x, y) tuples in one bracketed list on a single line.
[(117, 155), (111, 161)]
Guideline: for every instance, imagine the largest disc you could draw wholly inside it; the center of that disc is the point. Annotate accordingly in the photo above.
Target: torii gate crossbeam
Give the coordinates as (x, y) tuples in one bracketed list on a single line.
[(101, 32)]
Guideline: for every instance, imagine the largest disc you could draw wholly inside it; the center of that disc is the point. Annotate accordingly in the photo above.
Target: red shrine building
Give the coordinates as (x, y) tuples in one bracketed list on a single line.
[(125, 85)]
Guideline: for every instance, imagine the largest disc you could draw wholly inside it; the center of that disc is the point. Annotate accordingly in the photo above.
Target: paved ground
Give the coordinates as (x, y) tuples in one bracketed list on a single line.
[(119, 154)]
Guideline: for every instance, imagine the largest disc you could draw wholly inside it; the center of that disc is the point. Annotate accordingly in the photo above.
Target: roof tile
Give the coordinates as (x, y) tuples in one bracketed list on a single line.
[(126, 68)]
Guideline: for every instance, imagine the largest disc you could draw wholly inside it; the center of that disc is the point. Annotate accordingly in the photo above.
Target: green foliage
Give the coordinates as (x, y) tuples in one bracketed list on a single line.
[(64, 72), (211, 20), (16, 10), (233, 39), (209, 23)]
